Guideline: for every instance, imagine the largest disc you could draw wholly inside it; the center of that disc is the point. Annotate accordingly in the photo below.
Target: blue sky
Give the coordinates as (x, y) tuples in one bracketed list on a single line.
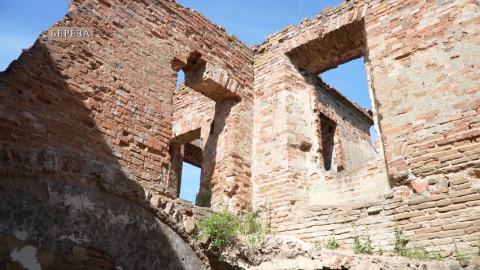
[(251, 21)]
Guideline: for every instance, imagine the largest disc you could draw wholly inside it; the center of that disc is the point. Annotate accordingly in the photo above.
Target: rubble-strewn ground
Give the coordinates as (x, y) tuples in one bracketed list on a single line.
[(290, 253)]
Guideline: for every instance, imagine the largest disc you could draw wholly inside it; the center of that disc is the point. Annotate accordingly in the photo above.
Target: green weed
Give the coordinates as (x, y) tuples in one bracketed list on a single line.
[(405, 248), (365, 248), (330, 243)]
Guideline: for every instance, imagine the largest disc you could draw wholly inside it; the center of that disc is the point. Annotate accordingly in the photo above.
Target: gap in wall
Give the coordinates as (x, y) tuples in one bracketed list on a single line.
[(351, 80), (190, 174), (328, 140), (190, 182), (180, 77)]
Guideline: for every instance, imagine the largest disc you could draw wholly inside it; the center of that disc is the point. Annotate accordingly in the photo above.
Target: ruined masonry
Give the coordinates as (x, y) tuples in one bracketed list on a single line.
[(93, 134)]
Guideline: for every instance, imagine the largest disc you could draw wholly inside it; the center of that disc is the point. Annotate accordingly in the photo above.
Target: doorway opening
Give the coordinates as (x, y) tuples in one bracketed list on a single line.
[(191, 171)]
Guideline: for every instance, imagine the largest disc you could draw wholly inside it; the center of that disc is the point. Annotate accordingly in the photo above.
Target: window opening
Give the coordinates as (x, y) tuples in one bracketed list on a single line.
[(190, 182), (180, 78), (328, 128), (354, 88)]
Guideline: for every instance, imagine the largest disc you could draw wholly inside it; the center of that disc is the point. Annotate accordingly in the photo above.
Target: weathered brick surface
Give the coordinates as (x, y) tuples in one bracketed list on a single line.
[(105, 107), (422, 69), (421, 219), (108, 111)]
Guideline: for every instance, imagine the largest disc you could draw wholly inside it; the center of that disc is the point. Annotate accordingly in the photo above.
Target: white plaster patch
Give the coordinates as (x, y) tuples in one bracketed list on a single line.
[(79, 203), (27, 257), (20, 235), (121, 219)]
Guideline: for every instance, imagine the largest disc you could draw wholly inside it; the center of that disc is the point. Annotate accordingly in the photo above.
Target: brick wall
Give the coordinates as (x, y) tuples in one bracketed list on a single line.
[(103, 110), (102, 114), (106, 106), (425, 65), (450, 213), (422, 67), (289, 99), (193, 112)]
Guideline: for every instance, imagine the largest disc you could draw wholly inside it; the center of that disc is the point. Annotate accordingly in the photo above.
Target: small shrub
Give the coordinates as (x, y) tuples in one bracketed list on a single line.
[(252, 221), (254, 241), (405, 248), (365, 248), (401, 242), (331, 243), (226, 229), (254, 228), (222, 228), (418, 253)]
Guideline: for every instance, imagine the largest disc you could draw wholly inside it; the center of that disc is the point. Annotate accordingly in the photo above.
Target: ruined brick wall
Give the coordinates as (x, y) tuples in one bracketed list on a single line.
[(216, 128), (422, 67), (286, 66), (99, 114), (449, 213), (193, 132), (122, 109), (192, 111), (91, 125)]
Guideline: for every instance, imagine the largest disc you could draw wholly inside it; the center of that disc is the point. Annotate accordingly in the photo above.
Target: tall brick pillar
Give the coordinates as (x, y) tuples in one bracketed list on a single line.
[(225, 178), (282, 136)]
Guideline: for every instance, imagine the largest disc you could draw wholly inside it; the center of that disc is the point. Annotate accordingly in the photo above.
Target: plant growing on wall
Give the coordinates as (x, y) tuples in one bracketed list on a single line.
[(222, 228), (226, 229), (400, 248), (405, 248), (331, 243), (365, 248), (254, 227), (458, 254)]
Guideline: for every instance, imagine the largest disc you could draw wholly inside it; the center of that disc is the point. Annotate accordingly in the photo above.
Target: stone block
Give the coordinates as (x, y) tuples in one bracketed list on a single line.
[(419, 187), (190, 224), (408, 215)]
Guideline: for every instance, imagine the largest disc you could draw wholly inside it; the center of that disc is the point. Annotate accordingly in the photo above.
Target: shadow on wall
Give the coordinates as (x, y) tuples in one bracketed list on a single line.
[(61, 183), (211, 170), (217, 186)]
